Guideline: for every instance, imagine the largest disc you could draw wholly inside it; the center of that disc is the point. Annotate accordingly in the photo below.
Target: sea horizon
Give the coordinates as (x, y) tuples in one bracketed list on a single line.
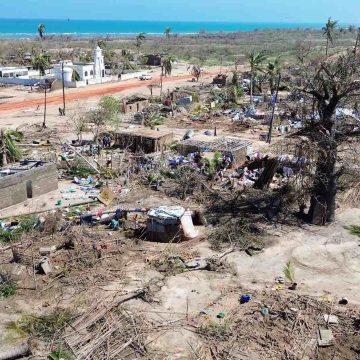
[(27, 28)]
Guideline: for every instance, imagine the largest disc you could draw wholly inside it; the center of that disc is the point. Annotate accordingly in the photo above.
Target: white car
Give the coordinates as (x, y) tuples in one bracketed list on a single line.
[(145, 77)]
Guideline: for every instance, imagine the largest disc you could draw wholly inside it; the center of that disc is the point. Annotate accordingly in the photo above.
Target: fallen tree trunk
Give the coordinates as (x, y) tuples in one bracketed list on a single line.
[(16, 352)]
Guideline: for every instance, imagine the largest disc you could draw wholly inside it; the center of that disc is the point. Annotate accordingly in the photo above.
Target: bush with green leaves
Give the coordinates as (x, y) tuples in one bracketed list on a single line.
[(59, 355), (7, 285), (43, 327), (9, 152), (353, 230), (26, 224)]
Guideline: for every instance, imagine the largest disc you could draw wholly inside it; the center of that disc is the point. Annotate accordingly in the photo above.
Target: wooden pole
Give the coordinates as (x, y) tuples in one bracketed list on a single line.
[(161, 80), (273, 110), (44, 123), (63, 86), (357, 42), (3, 147)]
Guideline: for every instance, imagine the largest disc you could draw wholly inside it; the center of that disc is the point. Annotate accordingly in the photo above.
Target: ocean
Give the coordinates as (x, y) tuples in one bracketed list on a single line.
[(27, 28)]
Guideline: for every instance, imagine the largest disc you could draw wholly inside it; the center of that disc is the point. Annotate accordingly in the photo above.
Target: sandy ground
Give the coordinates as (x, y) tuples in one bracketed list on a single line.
[(326, 259), (15, 98), (326, 266)]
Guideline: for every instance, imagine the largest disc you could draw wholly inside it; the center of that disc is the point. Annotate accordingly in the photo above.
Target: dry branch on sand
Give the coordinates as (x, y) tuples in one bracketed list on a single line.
[(289, 331), (106, 331)]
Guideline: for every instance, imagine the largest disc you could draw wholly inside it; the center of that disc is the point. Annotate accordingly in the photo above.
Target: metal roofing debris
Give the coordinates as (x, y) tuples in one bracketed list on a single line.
[(219, 144), (146, 133)]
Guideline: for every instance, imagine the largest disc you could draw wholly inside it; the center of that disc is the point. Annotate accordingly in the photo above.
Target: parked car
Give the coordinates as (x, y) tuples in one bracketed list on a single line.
[(145, 77)]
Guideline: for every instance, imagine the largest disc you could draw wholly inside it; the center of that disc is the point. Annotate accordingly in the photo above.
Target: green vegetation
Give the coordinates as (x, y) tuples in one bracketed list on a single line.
[(80, 171), (329, 31), (8, 150), (289, 271), (167, 64), (59, 355), (213, 165), (353, 230), (41, 30), (26, 224), (41, 62), (203, 48), (154, 120), (139, 39), (7, 286), (215, 330), (168, 32), (107, 112), (44, 327), (110, 106), (256, 61), (273, 71)]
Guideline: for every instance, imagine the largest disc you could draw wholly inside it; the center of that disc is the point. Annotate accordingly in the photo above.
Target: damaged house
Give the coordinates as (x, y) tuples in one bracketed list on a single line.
[(26, 180), (143, 140), (237, 148)]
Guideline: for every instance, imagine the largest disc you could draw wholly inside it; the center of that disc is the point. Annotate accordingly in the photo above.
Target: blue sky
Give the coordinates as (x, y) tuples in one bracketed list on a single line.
[(346, 11)]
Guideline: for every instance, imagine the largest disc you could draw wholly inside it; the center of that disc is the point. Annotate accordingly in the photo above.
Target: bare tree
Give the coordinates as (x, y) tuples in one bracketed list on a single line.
[(79, 119), (332, 85)]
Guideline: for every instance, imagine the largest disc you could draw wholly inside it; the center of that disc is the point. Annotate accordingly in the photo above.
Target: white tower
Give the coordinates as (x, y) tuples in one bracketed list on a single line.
[(99, 66)]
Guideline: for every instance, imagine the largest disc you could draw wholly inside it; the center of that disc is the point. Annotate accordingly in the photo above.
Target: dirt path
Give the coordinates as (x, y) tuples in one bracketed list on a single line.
[(86, 93)]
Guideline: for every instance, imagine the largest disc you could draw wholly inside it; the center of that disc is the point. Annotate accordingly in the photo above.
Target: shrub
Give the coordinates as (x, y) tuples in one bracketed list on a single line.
[(353, 230), (7, 286), (43, 327)]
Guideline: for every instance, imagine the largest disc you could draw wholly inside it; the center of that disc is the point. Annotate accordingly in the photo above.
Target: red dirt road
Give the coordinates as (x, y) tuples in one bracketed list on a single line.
[(87, 93)]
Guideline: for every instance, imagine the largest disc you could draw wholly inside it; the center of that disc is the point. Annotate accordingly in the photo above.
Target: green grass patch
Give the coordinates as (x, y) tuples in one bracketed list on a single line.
[(219, 331), (353, 230), (26, 224), (43, 327), (7, 286)]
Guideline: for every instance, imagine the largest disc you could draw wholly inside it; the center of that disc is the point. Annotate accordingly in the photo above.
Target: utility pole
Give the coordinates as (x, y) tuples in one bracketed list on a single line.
[(357, 41), (161, 80), (44, 123), (273, 110), (63, 85)]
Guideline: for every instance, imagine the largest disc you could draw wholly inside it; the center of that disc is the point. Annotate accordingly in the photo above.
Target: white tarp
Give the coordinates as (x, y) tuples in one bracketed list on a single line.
[(167, 212)]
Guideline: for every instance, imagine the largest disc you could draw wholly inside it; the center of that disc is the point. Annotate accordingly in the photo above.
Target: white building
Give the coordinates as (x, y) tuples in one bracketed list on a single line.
[(14, 72), (82, 74)]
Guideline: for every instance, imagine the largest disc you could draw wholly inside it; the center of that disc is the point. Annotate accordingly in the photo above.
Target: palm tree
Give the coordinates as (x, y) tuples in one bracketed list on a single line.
[(151, 87), (41, 62), (139, 39), (273, 70), (41, 31), (256, 60), (101, 44), (329, 30), (167, 32), (167, 63), (8, 149)]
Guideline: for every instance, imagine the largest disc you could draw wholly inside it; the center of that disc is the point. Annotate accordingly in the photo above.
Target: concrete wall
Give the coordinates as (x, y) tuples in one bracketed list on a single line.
[(136, 107), (41, 180), (19, 81), (139, 143)]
